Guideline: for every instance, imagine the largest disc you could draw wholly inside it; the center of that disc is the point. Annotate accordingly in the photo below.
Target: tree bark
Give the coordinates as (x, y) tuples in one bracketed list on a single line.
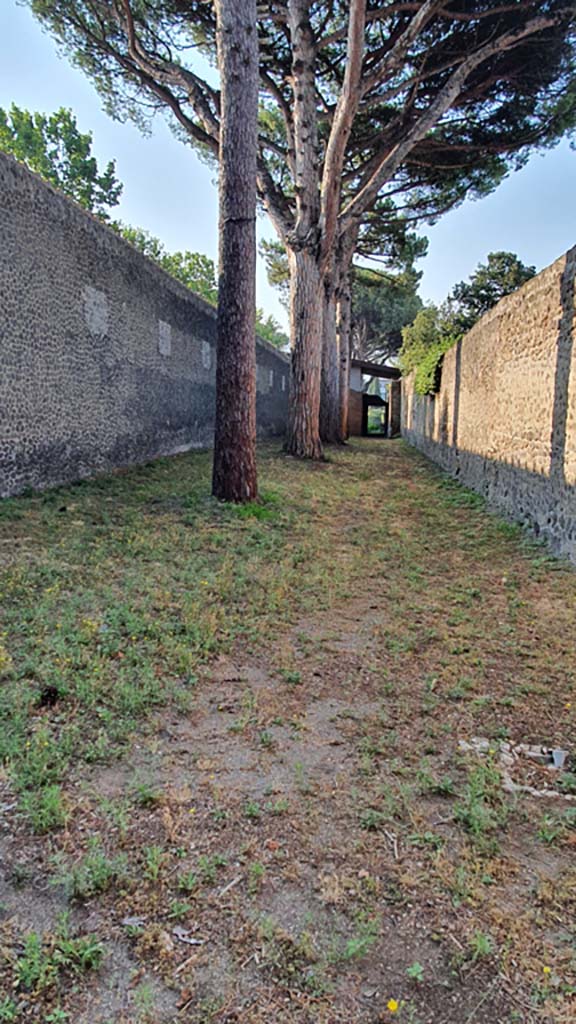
[(303, 438), (306, 308), (234, 472), (330, 379), (343, 326)]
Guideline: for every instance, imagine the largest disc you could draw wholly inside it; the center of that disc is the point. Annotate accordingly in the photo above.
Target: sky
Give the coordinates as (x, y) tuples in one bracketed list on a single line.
[(171, 193)]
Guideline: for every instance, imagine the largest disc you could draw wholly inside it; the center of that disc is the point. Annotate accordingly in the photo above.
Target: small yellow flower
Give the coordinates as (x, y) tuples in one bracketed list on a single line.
[(393, 1005), (192, 810), (547, 970), (568, 704)]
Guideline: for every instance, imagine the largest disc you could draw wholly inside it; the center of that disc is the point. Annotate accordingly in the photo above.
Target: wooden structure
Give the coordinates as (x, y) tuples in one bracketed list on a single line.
[(359, 401)]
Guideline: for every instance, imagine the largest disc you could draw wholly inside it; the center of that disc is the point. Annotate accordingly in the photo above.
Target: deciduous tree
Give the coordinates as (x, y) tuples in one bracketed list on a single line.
[(54, 147), (502, 274), (192, 269)]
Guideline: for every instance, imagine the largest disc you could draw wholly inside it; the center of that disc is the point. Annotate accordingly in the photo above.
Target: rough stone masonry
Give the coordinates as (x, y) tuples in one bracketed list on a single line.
[(504, 420), (105, 360)]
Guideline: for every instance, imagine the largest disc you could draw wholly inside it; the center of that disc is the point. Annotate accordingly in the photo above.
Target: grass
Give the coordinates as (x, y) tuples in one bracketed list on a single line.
[(120, 590), (369, 586)]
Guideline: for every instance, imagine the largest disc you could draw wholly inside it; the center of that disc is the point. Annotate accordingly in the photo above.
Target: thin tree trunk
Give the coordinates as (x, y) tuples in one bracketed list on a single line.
[(234, 473), (343, 326), (330, 380), (306, 307)]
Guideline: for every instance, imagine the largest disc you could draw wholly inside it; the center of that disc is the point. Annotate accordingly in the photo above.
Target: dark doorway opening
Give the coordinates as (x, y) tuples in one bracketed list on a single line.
[(374, 416)]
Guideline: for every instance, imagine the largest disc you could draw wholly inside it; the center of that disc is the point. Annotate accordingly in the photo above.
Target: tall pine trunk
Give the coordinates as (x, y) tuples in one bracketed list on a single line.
[(306, 309), (234, 473), (330, 380), (343, 326)]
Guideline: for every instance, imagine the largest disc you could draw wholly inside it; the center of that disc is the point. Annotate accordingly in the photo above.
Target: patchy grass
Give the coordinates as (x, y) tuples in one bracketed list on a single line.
[(229, 739)]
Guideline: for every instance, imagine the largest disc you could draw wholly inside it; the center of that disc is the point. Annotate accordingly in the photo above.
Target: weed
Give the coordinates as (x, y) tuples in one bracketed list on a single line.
[(256, 872), (45, 808), (367, 933), (154, 861), (277, 807), (8, 1010), (567, 782), (426, 839), (302, 782), (372, 820), (94, 873), (41, 762), (482, 808), (118, 812), (415, 972), (208, 867), (145, 793), (290, 959), (188, 881), (248, 713), (481, 945), (429, 784), (144, 1001), (550, 829), (178, 909), (57, 1016), (557, 827), (290, 676), (45, 958), (253, 810)]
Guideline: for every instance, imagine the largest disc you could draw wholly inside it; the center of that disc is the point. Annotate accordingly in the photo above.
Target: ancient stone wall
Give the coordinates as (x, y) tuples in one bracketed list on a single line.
[(504, 420), (105, 360)]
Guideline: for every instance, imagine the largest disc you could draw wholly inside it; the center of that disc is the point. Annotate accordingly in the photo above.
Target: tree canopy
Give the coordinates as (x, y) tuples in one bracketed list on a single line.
[(382, 304), (437, 328), (448, 96), (192, 269), (502, 274), (390, 105), (54, 147)]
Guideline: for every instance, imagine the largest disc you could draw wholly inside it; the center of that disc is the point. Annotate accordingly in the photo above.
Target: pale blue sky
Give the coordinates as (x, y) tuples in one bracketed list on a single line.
[(168, 191)]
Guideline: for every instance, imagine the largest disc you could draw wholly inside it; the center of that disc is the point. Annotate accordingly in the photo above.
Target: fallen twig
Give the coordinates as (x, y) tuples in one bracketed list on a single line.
[(229, 886), (393, 839)]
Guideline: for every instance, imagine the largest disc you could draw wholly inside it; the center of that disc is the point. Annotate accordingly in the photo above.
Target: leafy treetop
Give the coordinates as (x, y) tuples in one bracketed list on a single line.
[(502, 274), (436, 329), (415, 104), (382, 304), (53, 146)]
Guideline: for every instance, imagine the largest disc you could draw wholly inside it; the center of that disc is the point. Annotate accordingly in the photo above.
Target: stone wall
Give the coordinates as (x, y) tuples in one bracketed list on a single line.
[(105, 360), (504, 420)]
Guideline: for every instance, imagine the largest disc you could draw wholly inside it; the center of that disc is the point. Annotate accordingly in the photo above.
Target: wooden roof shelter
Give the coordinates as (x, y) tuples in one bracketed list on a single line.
[(376, 369)]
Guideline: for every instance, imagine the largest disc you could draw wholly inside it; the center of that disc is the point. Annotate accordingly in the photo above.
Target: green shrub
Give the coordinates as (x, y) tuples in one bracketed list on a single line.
[(424, 343)]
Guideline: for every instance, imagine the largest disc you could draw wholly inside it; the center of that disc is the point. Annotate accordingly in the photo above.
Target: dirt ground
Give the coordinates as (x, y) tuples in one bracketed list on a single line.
[(310, 839)]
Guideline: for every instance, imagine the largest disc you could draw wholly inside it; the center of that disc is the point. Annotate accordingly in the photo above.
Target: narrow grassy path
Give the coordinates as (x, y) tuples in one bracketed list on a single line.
[(233, 748)]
